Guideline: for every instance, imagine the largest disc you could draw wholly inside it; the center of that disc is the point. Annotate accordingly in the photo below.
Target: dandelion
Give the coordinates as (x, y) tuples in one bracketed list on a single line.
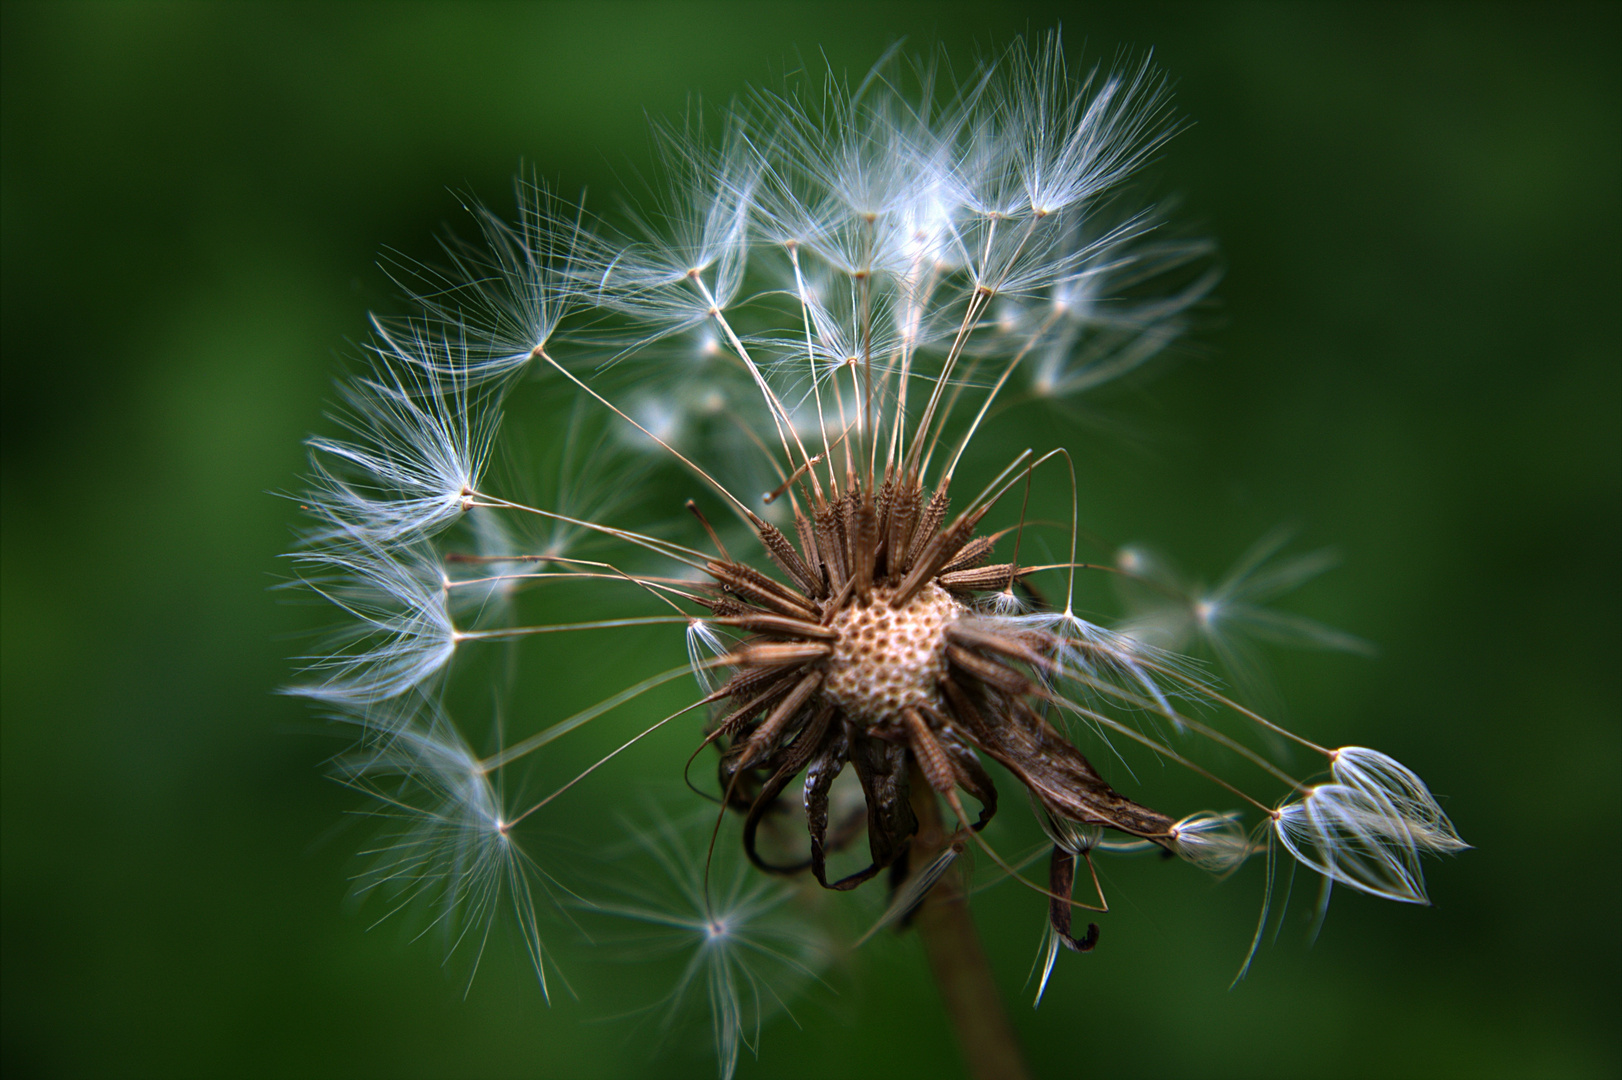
[(813, 317)]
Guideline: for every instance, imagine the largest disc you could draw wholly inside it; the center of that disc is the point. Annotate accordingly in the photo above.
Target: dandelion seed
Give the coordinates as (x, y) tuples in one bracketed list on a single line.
[(1171, 613), (1358, 839), (400, 635), (448, 845), (746, 953), (422, 440), (503, 299), (1070, 146), (1124, 300), (1216, 843), (689, 260), (1390, 783)]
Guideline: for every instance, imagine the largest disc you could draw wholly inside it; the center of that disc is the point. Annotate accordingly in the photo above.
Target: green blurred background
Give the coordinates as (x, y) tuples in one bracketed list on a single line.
[(1416, 361)]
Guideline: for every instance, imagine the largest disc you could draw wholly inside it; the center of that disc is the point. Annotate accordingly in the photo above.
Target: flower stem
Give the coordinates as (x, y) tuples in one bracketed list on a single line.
[(990, 1049)]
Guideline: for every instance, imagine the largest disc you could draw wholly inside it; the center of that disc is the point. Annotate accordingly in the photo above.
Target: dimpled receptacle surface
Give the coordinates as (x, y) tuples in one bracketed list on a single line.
[(888, 658)]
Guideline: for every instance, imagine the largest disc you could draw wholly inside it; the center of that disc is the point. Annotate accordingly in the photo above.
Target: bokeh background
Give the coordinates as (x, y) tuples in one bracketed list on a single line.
[(1416, 360)]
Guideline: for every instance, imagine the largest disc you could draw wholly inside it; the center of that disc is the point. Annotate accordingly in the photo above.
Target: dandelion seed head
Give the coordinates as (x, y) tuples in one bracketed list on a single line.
[(825, 297)]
